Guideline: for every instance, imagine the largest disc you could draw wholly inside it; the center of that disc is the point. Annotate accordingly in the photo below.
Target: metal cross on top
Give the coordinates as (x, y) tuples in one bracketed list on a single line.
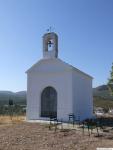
[(50, 29)]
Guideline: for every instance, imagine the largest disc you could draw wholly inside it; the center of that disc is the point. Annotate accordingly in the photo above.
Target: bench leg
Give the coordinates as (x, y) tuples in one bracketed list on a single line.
[(55, 127), (83, 128), (88, 131), (97, 131)]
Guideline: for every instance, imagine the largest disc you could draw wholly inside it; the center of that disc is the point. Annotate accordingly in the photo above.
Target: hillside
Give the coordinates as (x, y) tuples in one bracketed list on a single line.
[(103, 92), (101, 102), (102, 97), (18, 97)]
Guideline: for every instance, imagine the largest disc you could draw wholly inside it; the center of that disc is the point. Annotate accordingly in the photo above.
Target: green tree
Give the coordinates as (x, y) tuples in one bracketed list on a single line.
[(110, 81)]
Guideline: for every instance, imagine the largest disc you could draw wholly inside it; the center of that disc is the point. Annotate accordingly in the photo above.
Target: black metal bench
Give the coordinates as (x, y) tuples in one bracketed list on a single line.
[(74, 119), (90, 124)]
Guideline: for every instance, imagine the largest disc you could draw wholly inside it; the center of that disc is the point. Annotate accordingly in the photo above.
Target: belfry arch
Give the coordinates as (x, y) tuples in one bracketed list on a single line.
[(50, 40)]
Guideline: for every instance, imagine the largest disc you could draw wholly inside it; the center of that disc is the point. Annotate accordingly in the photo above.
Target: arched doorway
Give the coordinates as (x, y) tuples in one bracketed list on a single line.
[(49, 102)]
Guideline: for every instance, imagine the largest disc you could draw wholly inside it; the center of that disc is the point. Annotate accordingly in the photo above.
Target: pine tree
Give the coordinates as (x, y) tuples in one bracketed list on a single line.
[(110, 81)]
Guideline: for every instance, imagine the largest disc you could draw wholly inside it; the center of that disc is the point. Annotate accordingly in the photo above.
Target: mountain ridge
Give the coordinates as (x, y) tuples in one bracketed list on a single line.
[(100, 92)]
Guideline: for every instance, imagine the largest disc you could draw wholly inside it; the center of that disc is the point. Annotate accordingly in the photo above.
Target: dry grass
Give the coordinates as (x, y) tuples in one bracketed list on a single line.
[(9, 120)]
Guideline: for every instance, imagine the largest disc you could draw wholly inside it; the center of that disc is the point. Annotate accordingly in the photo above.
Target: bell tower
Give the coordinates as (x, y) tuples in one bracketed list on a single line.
[(50, 45)]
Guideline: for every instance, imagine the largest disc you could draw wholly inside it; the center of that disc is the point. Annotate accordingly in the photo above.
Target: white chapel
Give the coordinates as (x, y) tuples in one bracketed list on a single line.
[(55, 88)]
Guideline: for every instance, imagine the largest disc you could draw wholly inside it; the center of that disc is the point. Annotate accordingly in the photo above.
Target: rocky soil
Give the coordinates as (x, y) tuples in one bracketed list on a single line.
[(34, 136)]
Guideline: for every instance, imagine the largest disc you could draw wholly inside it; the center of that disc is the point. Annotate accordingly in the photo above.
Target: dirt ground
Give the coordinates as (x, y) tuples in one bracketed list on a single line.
[(34, 136)]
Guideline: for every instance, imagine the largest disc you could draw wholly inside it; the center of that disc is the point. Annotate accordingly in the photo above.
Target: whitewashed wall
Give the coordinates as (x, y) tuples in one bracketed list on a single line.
[(82, 95), (74, 89), (58, 78)]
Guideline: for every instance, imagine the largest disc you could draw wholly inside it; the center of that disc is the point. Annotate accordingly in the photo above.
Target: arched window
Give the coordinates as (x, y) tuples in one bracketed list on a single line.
[(49, 102)]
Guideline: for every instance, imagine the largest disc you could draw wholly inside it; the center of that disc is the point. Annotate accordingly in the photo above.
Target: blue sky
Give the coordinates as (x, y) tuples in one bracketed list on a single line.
[(84, 27)]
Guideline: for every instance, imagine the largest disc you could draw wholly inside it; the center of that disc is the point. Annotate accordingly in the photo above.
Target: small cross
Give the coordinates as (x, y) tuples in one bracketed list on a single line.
[(49, 30)]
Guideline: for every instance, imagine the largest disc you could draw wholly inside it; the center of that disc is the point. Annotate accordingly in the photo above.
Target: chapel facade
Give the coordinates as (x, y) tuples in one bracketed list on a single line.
[(55, 88)]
